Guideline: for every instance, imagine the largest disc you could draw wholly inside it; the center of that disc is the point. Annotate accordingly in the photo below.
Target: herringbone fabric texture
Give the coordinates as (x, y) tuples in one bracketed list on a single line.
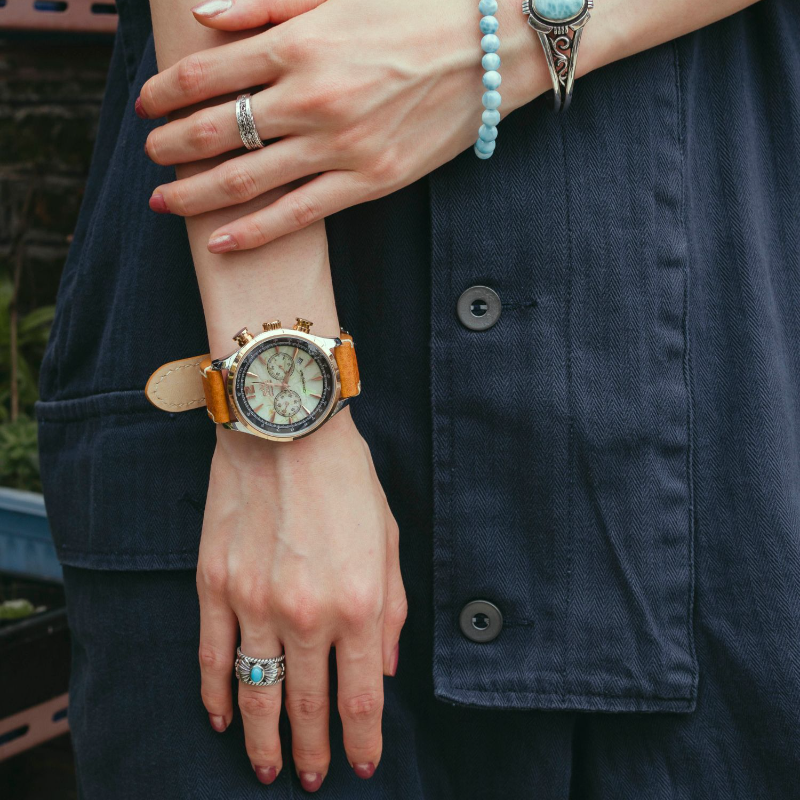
[(615, 464)]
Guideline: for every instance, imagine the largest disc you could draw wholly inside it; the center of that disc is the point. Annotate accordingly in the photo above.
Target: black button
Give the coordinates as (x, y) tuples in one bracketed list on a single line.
[(480, 621), (479, 308)]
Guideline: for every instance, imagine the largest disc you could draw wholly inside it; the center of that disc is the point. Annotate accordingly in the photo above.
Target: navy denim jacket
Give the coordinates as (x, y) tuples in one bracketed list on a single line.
[(616, 456)]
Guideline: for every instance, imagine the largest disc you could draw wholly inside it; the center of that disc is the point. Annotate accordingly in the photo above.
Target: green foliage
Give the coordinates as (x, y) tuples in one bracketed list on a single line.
[(19, 459)]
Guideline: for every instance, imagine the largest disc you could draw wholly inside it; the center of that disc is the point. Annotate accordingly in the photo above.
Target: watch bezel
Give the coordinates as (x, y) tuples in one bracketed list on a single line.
[(325, 346)]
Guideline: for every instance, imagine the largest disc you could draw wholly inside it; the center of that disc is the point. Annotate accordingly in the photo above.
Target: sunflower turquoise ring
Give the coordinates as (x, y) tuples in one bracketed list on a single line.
[(259, 671)]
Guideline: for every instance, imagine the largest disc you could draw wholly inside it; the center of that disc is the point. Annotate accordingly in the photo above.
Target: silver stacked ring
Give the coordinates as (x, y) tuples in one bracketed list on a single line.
[(247, 125), (259, 671)]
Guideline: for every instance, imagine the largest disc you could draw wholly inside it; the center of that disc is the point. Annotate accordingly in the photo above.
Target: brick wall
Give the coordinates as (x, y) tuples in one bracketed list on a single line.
[(50, 95)]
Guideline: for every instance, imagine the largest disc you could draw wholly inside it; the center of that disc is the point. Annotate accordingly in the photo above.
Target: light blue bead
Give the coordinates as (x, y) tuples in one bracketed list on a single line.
[(256, 673), (487, 6), (492, 100), (558, 10), (489, 25), (491, 117), (481, 156), (492, 79), (485, 147), (487, 133), (491, 61), (490, 43)]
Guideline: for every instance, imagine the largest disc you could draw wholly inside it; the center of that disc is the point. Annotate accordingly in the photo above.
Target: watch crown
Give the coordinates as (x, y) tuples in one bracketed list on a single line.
[(303, 325), (272, 326), (243, 337)]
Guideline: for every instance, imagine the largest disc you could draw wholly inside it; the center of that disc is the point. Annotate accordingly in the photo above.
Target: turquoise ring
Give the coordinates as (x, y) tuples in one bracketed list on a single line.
[(559, 24), (259, 671)]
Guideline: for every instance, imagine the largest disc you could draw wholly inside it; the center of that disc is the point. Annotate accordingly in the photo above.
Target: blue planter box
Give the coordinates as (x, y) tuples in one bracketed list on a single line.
[(26, 547)]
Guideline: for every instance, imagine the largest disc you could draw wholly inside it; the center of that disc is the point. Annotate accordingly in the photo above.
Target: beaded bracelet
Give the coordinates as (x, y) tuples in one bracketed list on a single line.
[(490, 44)]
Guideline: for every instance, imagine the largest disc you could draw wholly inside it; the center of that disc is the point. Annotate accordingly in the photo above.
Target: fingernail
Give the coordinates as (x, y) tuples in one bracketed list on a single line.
[(395, 659), (222, 244), (137, 107), (311, 781), (266, 774), (364, 770), (212, 8), (217, 723), (158, 204)]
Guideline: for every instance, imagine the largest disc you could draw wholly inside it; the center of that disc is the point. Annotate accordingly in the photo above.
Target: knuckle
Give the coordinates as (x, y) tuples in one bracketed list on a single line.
[(398, 613), (307, 707), (212, 578), (178, 200), (303, 611), (362, 707), (239, 183), (361, 605), (214, 701), (253, 604), (153, 147), (147, 94), (259, 704), (304, 210), (212, 659), (203, 134), (191, 75)]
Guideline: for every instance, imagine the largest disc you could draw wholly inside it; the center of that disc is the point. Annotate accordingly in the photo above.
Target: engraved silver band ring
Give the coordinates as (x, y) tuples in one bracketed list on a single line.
[(259, 671), (559, 25), (247, 125)]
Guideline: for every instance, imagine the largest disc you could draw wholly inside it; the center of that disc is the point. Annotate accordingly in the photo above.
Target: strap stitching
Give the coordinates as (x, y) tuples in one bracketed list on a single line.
[(166, 375)]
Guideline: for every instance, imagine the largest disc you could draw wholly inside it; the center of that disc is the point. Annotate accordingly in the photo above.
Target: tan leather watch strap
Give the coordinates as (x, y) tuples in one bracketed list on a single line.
[(345, 354), (177, 386), (189, 383), (214, 388)]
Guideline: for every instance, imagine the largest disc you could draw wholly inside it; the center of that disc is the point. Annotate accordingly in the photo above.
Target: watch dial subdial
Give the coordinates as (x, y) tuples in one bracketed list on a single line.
[(288, 403), (280, 366)]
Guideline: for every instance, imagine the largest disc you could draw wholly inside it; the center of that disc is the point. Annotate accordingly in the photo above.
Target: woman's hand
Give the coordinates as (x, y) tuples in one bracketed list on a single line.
[(300, 552), (365, 96)]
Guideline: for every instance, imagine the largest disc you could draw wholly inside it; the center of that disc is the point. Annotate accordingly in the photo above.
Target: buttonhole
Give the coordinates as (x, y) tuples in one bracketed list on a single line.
[(519, 305)]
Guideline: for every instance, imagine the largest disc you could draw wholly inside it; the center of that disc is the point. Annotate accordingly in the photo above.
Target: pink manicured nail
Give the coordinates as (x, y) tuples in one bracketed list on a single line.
[(137, 107), (395, 659), (158, 204), (311, 781), (266, 774), (222, 244), (212, 8), (364, 770), (217, 723)]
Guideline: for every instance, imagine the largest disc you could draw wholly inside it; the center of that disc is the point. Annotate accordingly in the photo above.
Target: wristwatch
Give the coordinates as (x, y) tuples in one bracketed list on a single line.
[(282, 384)]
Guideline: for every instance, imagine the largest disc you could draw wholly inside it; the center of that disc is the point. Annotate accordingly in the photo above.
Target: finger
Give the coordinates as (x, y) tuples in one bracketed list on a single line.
[(238, 15), (219, 630), (396, 605), (210, 73), (261, 706), (214, 131), (308, 706), (359, 666), (313, 201), (238, 180)]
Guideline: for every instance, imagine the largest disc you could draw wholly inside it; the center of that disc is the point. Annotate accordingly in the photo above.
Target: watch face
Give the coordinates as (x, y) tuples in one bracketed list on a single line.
[(284, 386)]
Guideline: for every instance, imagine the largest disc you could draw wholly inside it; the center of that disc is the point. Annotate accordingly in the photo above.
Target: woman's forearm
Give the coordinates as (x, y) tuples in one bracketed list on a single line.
[(283, 280)]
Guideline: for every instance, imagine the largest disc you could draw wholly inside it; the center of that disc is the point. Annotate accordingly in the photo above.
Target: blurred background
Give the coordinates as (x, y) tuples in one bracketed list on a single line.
[(54, 55)]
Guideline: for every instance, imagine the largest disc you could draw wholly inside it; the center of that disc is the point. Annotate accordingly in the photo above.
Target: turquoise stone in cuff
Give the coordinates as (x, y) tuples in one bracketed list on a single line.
[(492, 100), (489, 25), (491, 61), (491, 118), (492, 79), (558, 10), (490, 43), (487, 6), (485, 147), (256, 673)]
